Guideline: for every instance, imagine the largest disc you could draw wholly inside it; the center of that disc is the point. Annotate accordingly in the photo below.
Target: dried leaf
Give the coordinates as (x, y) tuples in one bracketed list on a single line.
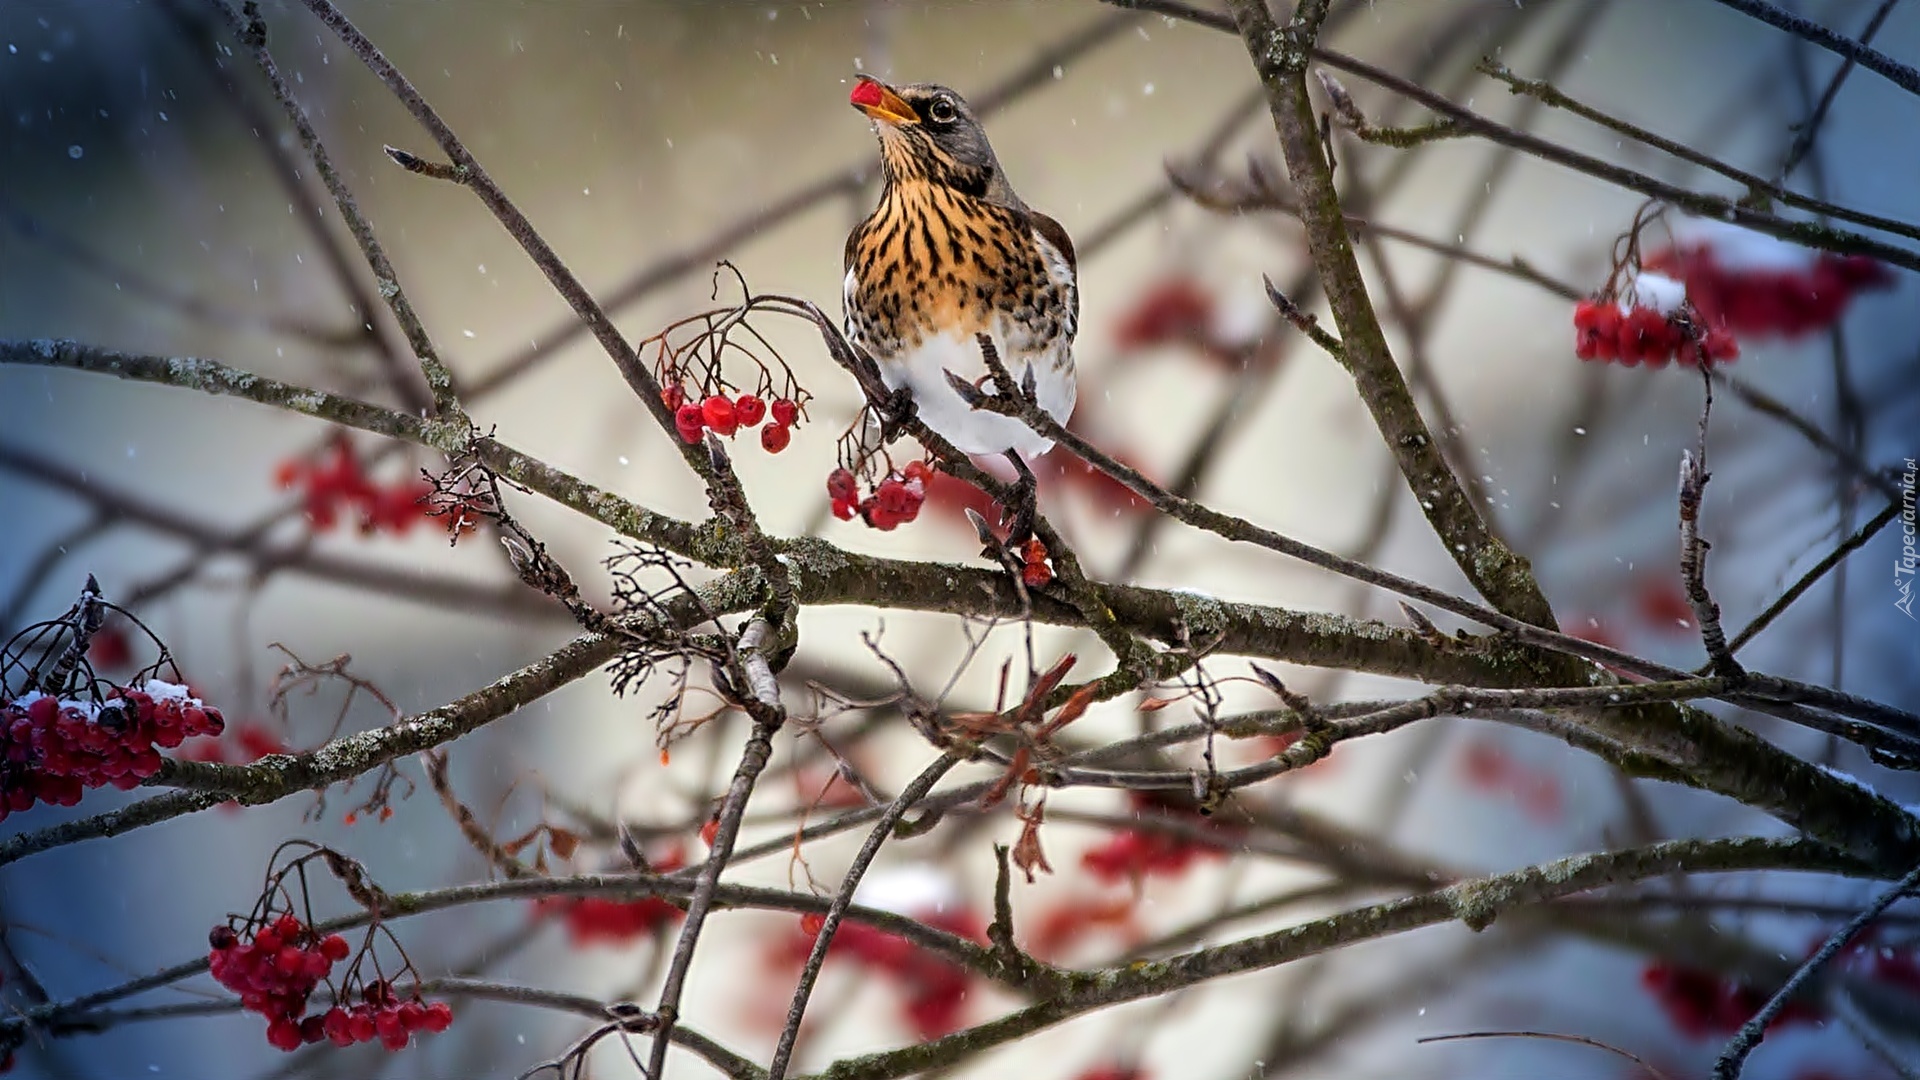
[(1015, 768), (1074, 709), (1027, 854), (1030, 709), (564, 842), (519, 843)]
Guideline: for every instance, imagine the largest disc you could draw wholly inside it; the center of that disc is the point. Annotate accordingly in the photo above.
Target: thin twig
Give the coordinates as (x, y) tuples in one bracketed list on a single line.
[(761, 698), (1732, 1059), (1693, 549), (1901, 75), (908, 798), (1809, 129), (1812, 577), (250, 29)]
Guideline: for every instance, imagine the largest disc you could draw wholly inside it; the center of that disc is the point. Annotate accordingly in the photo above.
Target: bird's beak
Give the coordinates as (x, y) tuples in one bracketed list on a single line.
[(878, 101)]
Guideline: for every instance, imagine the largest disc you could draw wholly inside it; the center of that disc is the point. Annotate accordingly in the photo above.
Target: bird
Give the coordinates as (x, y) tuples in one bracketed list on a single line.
[(951, 260)]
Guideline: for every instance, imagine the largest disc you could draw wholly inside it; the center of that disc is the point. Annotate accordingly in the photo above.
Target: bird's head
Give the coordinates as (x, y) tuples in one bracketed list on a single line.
[(928, 134)]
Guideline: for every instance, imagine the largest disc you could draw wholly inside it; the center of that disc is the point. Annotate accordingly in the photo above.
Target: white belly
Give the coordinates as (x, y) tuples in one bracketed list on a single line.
[(922, 370)]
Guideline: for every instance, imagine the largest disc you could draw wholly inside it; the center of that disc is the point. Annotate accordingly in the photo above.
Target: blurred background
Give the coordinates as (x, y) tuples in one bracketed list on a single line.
[(153, 199)]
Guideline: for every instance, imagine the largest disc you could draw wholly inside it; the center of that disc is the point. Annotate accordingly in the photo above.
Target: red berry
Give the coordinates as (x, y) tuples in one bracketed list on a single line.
[(289, 960), (841, 486), (688, 420), (749, 410), (719, 415), (335, 948), (223, 938), (893, 496), (284, 1034), (267, 941), (315, 965), (812, 923), (1035, 573), (439, 1017), (338, 1028), (413, 1016), (289, 927), (1719, 344), (673, 397), (919, 470), (786, 412), (775, 437)]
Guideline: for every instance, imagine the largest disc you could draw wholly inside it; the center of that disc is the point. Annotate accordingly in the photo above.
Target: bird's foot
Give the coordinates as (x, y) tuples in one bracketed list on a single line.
[(895, 411), (1025, 503)]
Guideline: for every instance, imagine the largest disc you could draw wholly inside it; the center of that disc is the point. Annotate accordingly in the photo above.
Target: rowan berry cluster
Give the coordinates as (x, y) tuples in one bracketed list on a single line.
[(1757, 286), (1657, 327), (727, 416), (594, 920), (1182, 311), (52, 750), (934, 989), (1704, 1004), (1172, 311), (337, 482), (597, 920), (276, 969), (1485, 765), (1136, 854), (894, 501), (379, 1015)]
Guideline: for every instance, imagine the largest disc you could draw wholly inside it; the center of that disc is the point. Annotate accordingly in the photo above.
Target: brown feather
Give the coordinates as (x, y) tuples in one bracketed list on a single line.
[(1056, 235)]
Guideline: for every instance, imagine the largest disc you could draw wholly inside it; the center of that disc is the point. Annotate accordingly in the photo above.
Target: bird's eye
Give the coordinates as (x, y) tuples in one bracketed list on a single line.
[(941, 111)]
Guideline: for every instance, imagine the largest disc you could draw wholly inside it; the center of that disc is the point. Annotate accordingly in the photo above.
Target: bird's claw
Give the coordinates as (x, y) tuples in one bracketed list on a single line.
[(895, 411), (1024, 509)]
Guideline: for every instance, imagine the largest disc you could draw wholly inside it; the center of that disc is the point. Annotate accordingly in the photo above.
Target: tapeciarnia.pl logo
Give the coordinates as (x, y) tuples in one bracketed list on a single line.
[(1903, 567)]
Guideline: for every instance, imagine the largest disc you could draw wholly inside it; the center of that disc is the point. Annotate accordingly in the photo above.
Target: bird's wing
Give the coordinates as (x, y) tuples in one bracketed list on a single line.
[(1056, 236), (1049, 228), (853, 241)]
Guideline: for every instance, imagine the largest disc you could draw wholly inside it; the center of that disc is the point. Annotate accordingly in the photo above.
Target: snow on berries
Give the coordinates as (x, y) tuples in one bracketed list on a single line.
[(53, 749), (893, 502), (1714, 284), (1757, 286), (1652, 323), (64, 731)]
